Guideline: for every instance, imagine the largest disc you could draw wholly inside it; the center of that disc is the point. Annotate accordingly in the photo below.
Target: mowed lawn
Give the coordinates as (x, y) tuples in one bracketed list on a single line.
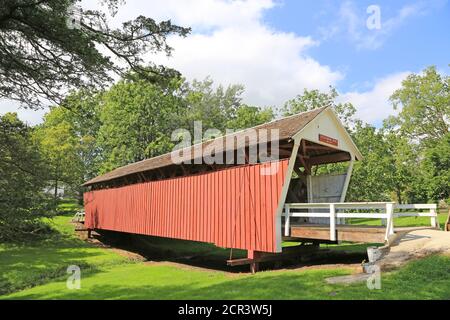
[(38, 271), (405, 221)]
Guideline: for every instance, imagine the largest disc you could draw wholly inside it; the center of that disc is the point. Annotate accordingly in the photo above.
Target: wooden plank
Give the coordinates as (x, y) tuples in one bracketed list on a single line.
[(343, 233), (81, 229), (287, 252), (318, 147), (373, 229), (358, 236), (336, 157), (304, 164), (307, 233)]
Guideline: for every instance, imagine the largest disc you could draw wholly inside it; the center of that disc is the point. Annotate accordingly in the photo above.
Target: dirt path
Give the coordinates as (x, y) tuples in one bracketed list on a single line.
[(414, 245), (409, 246)]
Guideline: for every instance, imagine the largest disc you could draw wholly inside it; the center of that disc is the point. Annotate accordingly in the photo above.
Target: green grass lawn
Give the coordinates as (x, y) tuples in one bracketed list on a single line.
[(404, 221), (28, 265), (425, 279), (38, 271)]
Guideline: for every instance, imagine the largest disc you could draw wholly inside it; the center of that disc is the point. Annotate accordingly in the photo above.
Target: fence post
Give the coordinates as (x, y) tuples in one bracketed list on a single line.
[(390, 220), (384, 220), (332, 222), (434, 222), (287, 220)]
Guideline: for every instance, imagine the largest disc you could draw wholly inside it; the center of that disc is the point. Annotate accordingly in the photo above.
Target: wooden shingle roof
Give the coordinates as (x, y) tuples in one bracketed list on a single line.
[(287, 127)]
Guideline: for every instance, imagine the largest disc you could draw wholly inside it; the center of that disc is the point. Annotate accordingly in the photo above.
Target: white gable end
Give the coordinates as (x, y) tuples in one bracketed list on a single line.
[(326, 129)]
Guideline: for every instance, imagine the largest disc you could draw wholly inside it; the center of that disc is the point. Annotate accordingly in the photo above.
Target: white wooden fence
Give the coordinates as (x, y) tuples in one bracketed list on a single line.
[(387, 211)]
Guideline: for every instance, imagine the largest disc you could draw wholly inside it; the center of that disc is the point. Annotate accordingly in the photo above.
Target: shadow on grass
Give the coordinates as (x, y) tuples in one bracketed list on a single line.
[(29, 264), (24, 268), (208, 256)]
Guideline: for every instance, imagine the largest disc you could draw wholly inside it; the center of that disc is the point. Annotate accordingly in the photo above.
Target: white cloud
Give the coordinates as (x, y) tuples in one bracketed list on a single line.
[(272, 66), (239, 48), (231, 43), (373, 105), (200, 14)]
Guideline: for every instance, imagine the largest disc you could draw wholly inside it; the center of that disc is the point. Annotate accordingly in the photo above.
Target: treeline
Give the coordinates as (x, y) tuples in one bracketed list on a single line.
[(92, 132)]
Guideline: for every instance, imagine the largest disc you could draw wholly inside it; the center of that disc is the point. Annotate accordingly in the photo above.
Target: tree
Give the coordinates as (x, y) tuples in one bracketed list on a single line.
[(372, 176), (68, 140), (220, 108), (214, 107), (49, 47), (436, 167), (249, 116), (61, 148), (81, 110), (23, 177), (424, 100), (137, 119), (313, 99), (402, 163), (423, 123)]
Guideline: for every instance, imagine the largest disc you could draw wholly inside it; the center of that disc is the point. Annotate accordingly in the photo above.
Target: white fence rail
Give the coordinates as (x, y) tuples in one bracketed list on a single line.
[(333, 211)]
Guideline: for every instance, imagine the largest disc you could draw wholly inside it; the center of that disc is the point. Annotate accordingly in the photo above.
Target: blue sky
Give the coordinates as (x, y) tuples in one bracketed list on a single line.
[(418, 40), (277, 48)]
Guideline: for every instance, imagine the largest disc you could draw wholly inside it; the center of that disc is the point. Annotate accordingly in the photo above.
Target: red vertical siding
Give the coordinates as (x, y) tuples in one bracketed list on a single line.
[(232, 208)]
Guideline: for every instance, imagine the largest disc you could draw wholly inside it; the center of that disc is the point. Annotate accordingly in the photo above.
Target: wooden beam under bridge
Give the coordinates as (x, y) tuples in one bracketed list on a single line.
[(288, 252)]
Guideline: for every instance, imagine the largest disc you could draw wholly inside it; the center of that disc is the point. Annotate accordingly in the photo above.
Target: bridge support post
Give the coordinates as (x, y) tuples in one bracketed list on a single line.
[(254, 265)]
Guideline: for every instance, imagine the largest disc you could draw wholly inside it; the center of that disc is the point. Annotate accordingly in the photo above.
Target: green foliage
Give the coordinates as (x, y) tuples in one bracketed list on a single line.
[(423, 123), (214, 107), (250, 116), (436, 167), (313, 99), (61, 148), (49, 48), (82, 112), (137, 119), (23, 177), (371, 177), (424, 100), (67, 141)]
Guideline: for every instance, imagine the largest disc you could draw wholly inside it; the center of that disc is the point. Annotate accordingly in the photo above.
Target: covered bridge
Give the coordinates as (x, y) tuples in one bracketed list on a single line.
[(250, 204)]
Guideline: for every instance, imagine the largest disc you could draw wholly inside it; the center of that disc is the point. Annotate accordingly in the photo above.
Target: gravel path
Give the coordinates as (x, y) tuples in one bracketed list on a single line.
[(415, 244)]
